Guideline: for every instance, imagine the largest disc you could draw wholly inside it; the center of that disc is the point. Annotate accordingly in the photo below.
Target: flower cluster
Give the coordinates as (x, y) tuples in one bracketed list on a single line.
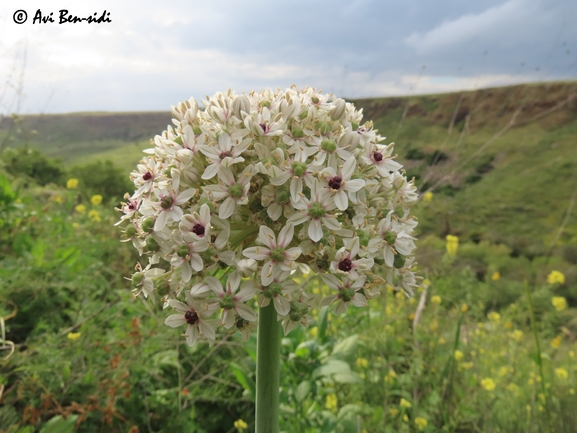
[(237, 200)]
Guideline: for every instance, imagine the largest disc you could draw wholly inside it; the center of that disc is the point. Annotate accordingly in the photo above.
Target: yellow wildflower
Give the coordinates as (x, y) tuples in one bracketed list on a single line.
[(561, 373), (390, 377), (436, 299), (428, 196), (405, 418), (72, 183), (571, 354), (496, 276), (517, 335), (488, 384), (442, 340), (80, 208), (421, 423), (466, 365), (73, 335), (362, 362), (571, 391), (494, 316), (240, 425), (394, 412), (58, 199), (426, 283), (503, 371), (452, 245), (314, 331), (464, 308), (559, 302), (405, 403), (556, 342), (556, 277), (332, 402), (75, 225), (94, 215), (458, 355), (96, 199), (434, 325)]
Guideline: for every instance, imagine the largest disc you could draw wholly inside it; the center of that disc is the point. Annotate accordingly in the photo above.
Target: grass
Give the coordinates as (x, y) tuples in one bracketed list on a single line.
[(504, 363)]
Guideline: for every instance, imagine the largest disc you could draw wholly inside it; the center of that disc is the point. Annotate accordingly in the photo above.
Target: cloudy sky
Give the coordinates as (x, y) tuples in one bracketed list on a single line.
[(155, 54)]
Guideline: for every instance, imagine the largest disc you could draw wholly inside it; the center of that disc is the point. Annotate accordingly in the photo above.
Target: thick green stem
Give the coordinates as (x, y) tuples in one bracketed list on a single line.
[(267, 371)]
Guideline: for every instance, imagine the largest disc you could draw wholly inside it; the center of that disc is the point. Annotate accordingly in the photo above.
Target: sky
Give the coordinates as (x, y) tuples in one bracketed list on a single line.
[(152, 55)]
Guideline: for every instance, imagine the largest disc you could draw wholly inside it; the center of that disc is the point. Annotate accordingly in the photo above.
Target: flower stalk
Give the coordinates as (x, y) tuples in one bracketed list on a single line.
[(267, 371)]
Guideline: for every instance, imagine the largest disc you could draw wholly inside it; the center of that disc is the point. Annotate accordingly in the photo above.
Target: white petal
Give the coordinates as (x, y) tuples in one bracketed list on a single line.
[(207, 329), (184, 196), (354, 185), (186, 272), (286, 235), (315, 230), (267, 237), (293, 253), (331, 223), (341, 200), (227, 208), (245, 312), (215, 285), (267, 273), (196, 262), (274, 211), (257, 253), (175, 320), (281, 305)]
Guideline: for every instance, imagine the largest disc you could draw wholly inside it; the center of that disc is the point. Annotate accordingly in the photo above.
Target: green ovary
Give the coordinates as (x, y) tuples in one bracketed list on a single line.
[(277, 254), (317, 210), (235, 190), (227, 302), (299, 168)]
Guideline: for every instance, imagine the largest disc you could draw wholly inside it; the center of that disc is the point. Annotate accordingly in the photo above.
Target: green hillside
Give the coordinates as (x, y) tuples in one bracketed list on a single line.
[(501, 162)]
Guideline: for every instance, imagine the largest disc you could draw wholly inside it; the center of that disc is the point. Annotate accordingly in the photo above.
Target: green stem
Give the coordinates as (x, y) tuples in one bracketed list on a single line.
[(267, 371)]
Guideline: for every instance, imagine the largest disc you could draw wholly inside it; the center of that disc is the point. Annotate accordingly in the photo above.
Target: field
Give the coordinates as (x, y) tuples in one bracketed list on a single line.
[(487, 344)]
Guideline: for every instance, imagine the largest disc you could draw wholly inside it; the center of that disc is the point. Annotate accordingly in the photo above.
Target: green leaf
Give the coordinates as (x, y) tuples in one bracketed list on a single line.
[(244, 379), (346, 349), (323, 323), (60, 425), (337, 370), (347, 419), (302, 390)]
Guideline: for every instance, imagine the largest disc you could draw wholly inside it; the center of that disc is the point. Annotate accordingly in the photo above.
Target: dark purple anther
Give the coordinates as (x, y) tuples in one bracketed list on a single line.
[(198, 230), (378, 156), (335, 182), (191, 317), (345, 265), (147, 176)]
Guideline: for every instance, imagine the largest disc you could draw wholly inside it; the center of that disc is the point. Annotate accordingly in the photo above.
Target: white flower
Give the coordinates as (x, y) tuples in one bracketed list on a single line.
[(169, 205), (278, 256), (316, 210), (232, 300), (267, 186), (348, 293), (224, 154), (195, 316), (340, 185), (233, 191), (345, 263), (280, 290)]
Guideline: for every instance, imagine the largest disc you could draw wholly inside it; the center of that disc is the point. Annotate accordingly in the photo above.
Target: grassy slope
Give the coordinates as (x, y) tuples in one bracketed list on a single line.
[(515, 191)]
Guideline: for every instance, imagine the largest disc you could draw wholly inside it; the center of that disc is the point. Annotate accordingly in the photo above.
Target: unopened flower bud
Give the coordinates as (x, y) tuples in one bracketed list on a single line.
[(163, 287), (137, 279), (130, 230), (339, 109), (196, 129), (151, 245), (148, 224), (297, 132), (399, 261), (182, 250), (324, 127), (328, 145), (239, 104), (390, 238)]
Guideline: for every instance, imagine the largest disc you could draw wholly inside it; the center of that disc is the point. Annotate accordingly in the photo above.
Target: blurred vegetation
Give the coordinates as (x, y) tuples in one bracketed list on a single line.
[(460, 356)]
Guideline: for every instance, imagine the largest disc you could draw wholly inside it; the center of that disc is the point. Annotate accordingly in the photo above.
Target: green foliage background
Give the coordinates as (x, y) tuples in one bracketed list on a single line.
[(502, 167)]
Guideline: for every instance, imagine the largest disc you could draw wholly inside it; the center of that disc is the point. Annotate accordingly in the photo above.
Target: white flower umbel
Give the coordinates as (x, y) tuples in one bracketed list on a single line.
[(259, 187)]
